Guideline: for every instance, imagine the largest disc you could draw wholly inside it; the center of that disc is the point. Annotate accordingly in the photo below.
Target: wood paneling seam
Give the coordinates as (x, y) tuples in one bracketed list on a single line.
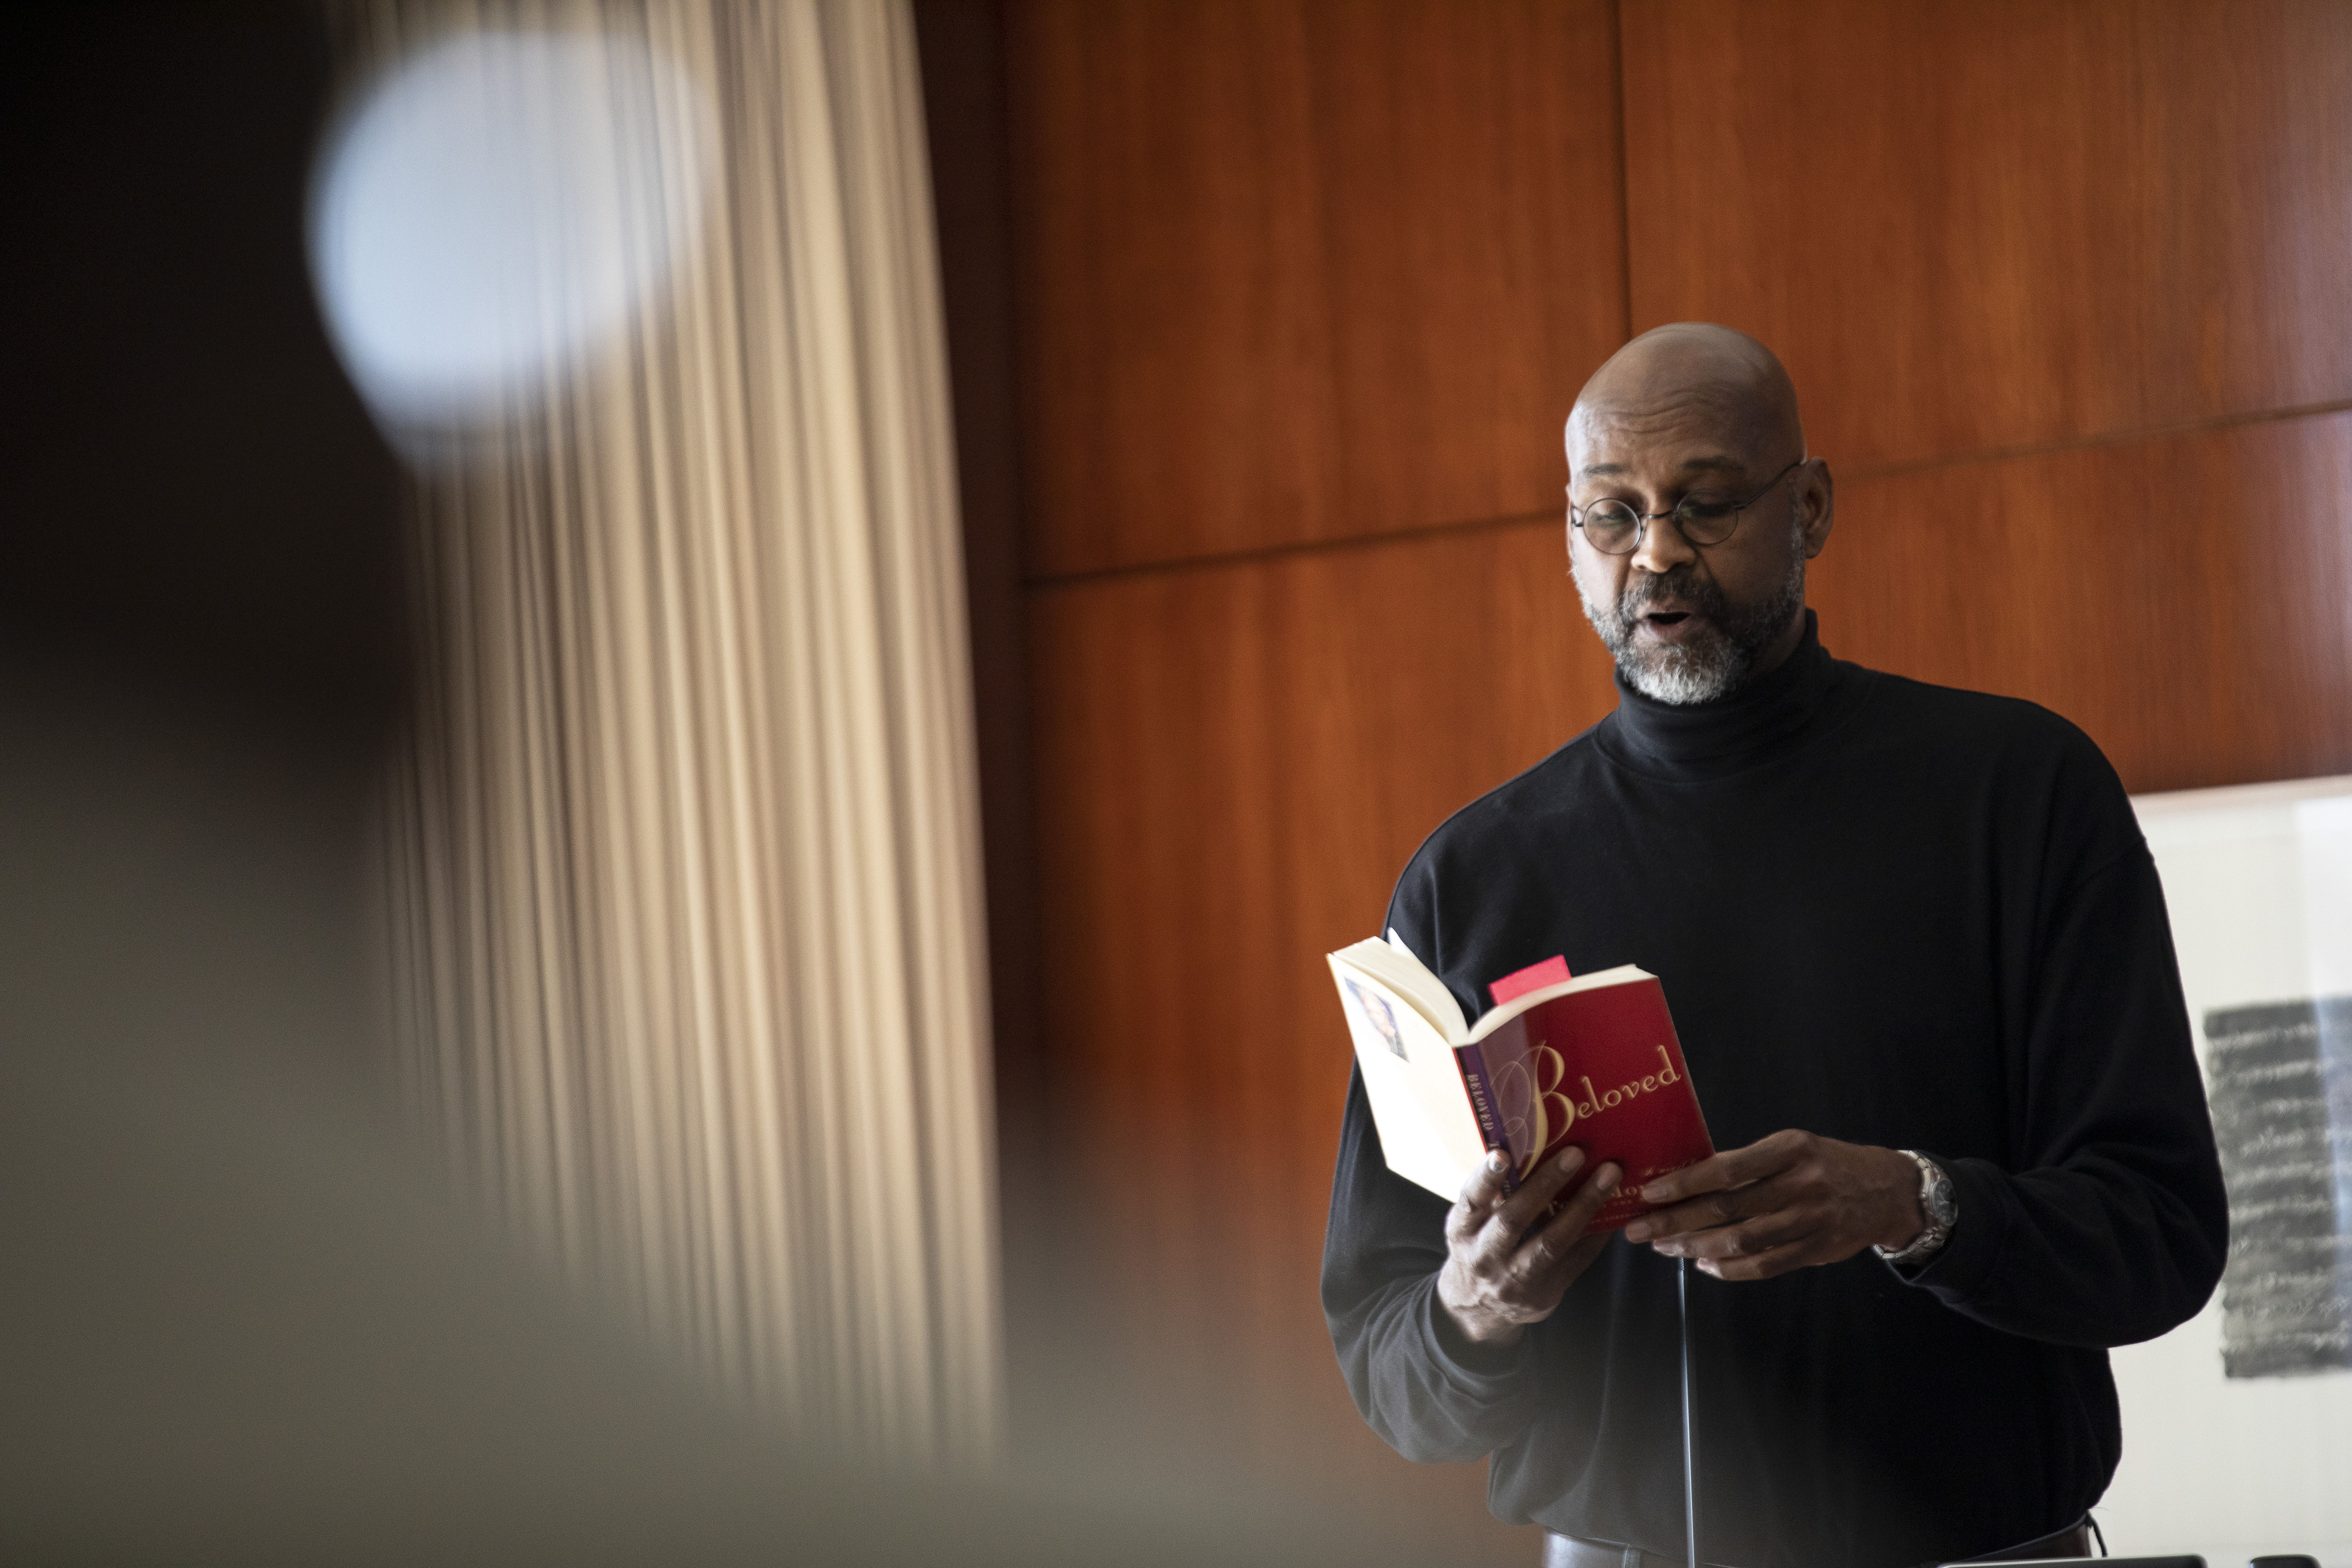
[(1851, 476)]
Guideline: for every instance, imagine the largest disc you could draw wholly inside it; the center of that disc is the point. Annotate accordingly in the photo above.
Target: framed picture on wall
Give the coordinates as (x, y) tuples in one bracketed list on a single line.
[(2238, 1424)]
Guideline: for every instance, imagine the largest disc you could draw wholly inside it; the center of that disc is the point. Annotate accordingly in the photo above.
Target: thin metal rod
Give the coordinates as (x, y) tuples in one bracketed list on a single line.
[(1690, 1462)]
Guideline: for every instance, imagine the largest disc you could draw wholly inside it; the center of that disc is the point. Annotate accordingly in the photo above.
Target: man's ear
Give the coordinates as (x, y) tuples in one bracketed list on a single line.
[(1817, 498)]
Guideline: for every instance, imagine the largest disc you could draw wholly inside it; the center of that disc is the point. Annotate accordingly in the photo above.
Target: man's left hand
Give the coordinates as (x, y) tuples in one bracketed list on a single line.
[(1793, 1200)]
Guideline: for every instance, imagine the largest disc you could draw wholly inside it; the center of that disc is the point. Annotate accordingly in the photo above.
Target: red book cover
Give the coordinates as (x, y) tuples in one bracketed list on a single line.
[(1602, 1069), (1593, 1061)]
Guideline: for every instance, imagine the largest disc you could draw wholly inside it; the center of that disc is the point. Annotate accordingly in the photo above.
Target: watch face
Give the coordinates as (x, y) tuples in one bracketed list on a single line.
[(1942, 1207)]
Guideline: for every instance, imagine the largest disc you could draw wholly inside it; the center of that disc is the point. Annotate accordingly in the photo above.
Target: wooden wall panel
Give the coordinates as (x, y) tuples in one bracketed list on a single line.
[(1233, 764), (2187, 600), (1981, 224), (1328, 272), (1298, 271)]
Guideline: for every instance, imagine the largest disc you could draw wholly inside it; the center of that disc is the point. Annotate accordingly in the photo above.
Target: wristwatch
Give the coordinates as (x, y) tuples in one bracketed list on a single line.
[(1940, 1207)]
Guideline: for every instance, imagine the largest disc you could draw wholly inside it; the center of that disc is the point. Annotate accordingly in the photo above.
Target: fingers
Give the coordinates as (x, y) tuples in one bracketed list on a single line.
[(1498, 1278), (1820, 1201), (1720, 1189), (1548, 1261), (1774, 1228), (1500, 1239), (1710, 1210), (1562, 1237), (1699, 1213), (1731, 1168), (1553, 1260), (1764, 1264), (1537, 1193), (1480, 1194), (1709, 1175)]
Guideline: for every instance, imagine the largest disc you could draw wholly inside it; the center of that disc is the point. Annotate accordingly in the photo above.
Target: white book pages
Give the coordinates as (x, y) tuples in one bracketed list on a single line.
[(1429, 1135)]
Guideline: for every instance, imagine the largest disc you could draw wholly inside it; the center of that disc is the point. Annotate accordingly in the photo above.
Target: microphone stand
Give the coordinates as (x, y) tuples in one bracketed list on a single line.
[(1690, 1463)]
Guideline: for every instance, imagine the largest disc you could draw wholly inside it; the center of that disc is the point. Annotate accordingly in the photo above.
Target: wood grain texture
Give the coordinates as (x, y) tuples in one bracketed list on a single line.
[(2187, 600), (1233, 764), (1971, 224), (1293, 271)]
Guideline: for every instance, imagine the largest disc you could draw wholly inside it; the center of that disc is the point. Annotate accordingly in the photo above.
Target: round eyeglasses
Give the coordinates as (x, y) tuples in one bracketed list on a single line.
[(1703, 516)]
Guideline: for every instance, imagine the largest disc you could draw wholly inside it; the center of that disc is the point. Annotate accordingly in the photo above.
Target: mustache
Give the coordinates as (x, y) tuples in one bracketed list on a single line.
[(1685, 587)]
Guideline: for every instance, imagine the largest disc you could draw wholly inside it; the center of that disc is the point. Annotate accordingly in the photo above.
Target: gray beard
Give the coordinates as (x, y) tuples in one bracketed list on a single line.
[(1720, 660)]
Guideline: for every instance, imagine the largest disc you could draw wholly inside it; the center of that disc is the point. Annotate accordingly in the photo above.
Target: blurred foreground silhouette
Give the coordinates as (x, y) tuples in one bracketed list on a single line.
[(244, 1318)]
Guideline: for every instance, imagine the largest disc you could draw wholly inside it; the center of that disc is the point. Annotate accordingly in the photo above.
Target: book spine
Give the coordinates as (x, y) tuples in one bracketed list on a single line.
[(1473, 1063)]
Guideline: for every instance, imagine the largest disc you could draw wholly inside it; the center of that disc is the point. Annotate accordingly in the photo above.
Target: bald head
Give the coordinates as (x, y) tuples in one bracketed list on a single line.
[(1690, 374)]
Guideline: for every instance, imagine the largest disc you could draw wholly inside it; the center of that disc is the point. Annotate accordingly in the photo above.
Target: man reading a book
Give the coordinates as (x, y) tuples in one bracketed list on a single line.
[(1919, 962)]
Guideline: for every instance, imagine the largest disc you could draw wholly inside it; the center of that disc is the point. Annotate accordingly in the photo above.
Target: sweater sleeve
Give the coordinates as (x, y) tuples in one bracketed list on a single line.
[(2109, 1223), (1381, 1256)]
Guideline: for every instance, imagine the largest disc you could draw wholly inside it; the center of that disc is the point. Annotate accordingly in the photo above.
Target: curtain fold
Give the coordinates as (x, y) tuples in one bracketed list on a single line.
[(681, 864)]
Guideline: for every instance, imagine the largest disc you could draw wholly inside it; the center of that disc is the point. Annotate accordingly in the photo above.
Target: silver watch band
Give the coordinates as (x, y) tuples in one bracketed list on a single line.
[(1937, 1207)]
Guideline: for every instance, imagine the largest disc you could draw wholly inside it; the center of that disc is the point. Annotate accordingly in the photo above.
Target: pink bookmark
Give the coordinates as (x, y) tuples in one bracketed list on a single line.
[(1534, 977)]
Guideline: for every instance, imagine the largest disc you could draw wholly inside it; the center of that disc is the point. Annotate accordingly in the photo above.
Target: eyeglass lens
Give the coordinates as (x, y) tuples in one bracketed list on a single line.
[(1612, 527)]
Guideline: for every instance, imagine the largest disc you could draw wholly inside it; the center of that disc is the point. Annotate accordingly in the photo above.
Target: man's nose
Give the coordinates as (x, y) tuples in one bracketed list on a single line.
[(1663, 547)]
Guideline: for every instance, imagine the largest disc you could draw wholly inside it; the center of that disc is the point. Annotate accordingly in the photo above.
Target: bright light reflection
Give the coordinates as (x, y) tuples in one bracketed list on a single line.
[(496, 205)]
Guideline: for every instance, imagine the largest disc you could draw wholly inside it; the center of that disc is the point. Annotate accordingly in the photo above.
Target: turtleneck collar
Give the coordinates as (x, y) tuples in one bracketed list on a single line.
[(1767, 716)]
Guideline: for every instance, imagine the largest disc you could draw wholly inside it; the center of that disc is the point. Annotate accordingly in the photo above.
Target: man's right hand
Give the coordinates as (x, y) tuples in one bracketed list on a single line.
[(1497, 1276)]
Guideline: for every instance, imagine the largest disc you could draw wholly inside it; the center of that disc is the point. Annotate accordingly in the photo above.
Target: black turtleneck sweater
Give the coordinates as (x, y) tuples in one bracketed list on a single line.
[(1885, 912)]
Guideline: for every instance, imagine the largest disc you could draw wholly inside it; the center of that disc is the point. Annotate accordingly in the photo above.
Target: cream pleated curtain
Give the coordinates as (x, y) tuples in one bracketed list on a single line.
[(682, 865)]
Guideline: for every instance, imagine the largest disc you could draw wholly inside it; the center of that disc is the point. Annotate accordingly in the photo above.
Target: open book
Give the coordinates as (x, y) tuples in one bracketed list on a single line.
[(1592, 1061)]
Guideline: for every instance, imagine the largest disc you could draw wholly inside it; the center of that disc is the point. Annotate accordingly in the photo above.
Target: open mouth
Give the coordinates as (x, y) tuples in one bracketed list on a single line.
[(1673, 627)]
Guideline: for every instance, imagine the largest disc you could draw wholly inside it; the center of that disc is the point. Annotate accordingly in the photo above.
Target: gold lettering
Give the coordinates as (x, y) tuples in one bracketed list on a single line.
[(1547, 1094), (1651, 1081), (1591, 1106), (1669, 1075)]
